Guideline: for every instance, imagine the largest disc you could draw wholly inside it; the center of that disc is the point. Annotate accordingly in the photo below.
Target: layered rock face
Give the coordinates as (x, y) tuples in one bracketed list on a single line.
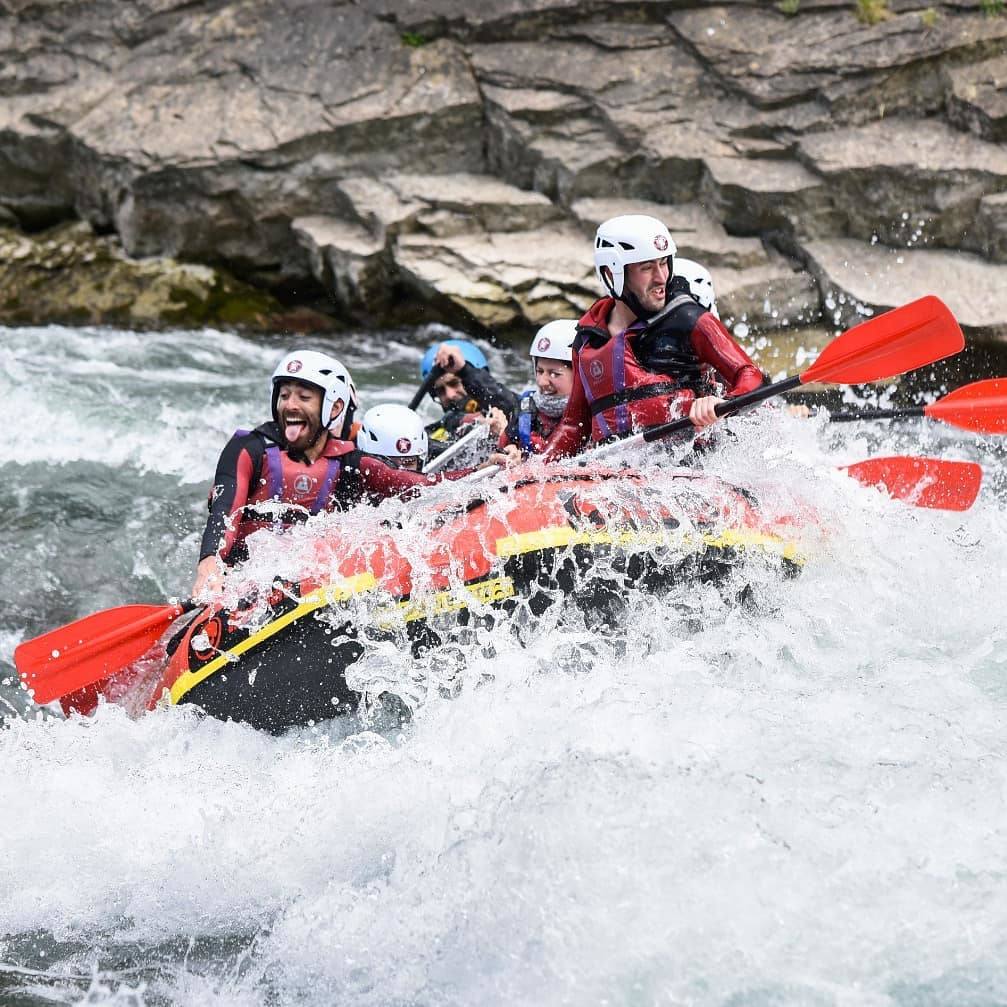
[(438, 160)]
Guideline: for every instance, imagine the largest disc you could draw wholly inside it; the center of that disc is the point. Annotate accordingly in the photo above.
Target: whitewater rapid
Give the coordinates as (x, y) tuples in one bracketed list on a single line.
[(797, 801)]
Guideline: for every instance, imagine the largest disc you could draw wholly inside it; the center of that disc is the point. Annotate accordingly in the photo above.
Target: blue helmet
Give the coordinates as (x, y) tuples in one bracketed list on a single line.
[(472, 354)]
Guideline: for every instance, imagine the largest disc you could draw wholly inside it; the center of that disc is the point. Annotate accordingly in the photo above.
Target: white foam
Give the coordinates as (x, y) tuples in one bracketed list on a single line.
[(797, 804)]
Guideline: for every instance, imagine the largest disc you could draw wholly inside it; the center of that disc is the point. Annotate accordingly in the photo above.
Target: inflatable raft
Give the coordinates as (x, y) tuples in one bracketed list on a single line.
[(281, 657)]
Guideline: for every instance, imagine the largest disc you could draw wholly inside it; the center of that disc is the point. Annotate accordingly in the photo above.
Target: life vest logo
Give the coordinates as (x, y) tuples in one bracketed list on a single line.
[(294, 366), (204, 643), (404, 446), (303, 484), (596, 370), (543, 344), (661, 243)]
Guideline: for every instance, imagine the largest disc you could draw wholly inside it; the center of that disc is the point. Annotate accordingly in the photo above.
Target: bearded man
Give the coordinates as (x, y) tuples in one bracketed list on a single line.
[(304, 461), (648, 352)]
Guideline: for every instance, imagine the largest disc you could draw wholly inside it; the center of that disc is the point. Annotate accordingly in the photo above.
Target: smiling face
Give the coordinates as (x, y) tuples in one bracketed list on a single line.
[(299, 409), (648, 280), (553, 377)]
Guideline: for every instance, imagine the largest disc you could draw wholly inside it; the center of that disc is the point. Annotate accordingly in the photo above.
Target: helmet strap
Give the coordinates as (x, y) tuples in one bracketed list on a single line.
[(346, 416), (606, 278), (627, 296)]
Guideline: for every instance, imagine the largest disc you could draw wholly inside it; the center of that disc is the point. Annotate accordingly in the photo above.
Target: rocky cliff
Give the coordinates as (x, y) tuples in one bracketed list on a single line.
[(433, 159)]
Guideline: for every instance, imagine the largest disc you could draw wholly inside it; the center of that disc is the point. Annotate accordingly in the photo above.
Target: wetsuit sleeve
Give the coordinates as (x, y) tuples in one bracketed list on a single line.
[(715, 346), (574, 428), (237, 467), (457, 474), (486, 390), (379, 481)]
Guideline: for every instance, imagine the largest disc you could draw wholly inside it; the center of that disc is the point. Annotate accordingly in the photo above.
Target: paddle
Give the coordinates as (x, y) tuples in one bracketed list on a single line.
[(448, 453), (428, 383), (923, 482), (913, 335), (84, 652), (981, 407), (919, 333)]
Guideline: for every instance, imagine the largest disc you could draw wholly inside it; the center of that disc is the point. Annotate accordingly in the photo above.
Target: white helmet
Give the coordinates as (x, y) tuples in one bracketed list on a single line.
[(633, 237), (393, 431), (700, 283), (554, 341), (322, 371)]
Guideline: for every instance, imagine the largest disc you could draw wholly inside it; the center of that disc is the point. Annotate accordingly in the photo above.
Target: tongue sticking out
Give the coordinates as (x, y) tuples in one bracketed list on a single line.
[(292, 430)]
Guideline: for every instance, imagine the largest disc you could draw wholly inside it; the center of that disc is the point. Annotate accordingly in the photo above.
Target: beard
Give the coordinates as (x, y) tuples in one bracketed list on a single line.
[(306, 434)]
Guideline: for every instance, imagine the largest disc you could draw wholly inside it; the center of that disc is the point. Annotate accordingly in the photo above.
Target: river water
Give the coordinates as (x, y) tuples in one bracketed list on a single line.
[(802, 801)]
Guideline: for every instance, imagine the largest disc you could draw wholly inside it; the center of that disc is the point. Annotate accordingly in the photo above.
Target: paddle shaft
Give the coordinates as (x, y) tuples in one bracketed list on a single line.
[(980, 407), (428, 383), (727, 408), (448, 453), (878, 414)]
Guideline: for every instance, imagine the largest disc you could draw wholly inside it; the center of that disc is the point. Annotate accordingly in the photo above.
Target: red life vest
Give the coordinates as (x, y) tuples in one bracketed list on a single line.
[(283, 480), (309, 486), (622, 394)]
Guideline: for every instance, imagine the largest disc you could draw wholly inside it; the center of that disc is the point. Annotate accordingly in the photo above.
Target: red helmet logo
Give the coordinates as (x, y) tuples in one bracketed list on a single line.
[(293, 366), (543, 344), (597, 369), (403, 445), (661, 243)]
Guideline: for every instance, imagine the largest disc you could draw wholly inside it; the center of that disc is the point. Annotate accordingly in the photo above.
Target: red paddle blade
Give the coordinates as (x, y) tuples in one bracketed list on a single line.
[(981, 407), (922, 482), (900, 340), (88, 650)]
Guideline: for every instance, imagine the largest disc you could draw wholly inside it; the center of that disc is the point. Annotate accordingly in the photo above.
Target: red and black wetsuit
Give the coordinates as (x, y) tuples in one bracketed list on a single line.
[(255, 467), (639, 379)]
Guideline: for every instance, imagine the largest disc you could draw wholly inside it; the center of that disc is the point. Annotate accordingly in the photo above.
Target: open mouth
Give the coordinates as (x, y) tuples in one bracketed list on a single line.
[(293, 427)]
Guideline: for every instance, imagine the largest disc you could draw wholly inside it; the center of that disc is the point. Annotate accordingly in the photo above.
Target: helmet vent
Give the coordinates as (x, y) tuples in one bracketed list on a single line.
[(627, 246)]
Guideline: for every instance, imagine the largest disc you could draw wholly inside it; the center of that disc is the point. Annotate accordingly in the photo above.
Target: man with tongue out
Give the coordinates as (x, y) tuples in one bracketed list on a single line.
[(300, 463)]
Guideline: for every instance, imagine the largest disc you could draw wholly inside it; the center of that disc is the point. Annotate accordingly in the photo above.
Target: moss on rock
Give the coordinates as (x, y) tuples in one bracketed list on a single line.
[(71, 275)]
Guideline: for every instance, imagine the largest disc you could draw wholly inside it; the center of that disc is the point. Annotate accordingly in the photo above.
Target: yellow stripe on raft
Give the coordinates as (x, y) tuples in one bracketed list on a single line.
[(563, 536), (488, 591), (319, 598)]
